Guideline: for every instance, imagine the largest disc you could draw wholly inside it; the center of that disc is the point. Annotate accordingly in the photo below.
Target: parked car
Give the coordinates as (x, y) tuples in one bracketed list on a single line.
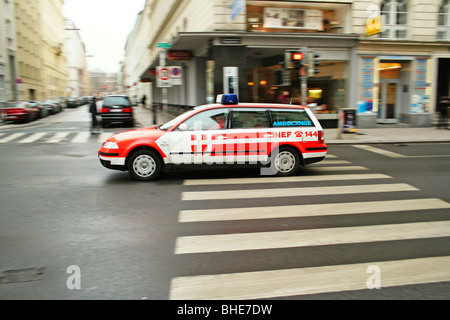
[(72, 103), (117, 109), (20, 111), (43, 112), (52, 106)]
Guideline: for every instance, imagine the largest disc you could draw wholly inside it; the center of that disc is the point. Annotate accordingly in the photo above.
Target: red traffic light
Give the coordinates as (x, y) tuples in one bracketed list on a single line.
[(297, 56)]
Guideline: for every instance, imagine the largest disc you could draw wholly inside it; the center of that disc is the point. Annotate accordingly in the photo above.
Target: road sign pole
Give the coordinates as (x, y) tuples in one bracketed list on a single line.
[(303, 79), (162, 63)]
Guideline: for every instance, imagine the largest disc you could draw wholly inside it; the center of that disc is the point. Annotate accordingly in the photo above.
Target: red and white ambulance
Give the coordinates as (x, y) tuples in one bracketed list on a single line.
[(280, 138)]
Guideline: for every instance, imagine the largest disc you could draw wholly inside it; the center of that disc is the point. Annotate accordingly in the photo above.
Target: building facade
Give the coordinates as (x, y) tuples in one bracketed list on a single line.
[(395, 74), (40, 49), (53, 51), (78, 76), (8, 60), (29, 59)]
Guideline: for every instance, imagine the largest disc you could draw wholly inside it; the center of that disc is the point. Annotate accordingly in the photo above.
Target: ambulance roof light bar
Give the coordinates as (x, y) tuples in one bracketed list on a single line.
[(227, 99)]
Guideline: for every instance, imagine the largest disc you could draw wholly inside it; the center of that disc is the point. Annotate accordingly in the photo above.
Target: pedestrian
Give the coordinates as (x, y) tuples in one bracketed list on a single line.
[(443, 106), (144, 99), (93, 111), (283, 98)]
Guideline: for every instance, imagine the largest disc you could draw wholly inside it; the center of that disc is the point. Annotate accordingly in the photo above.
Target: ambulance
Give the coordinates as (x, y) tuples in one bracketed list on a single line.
[(279, 138)]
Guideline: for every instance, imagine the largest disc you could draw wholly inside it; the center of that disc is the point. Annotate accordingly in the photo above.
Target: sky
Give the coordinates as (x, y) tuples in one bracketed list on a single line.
[(104, 27)]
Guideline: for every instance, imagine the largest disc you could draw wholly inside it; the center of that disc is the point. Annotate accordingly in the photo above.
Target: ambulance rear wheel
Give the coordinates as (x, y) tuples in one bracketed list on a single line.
[(144, 165), (285, 162)]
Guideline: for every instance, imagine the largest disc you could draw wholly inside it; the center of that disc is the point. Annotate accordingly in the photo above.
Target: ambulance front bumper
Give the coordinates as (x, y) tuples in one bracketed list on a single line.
[(112, 162)]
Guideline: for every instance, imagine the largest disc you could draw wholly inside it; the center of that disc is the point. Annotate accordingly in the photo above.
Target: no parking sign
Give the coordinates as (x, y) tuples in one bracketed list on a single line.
[(177, 74)]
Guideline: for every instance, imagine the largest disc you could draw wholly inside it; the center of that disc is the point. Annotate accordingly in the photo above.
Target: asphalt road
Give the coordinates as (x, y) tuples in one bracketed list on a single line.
[(225, 234)]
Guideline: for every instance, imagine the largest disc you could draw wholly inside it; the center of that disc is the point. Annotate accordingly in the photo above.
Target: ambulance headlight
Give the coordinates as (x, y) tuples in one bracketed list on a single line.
[(110, 145)]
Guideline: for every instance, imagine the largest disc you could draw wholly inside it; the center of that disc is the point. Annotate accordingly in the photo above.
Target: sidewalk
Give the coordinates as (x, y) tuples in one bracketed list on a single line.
[(381, 134)]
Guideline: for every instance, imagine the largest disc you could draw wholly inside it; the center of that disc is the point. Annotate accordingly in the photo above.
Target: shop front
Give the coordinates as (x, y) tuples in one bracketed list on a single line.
[(395, 89)]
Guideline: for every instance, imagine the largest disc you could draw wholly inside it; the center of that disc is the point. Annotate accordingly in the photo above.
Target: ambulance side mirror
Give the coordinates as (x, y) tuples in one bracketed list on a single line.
[(183, 127)]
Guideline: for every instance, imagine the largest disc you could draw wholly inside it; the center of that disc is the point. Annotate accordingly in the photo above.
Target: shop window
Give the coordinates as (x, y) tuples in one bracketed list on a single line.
[(278, 18), (395, 19), (443, 30)]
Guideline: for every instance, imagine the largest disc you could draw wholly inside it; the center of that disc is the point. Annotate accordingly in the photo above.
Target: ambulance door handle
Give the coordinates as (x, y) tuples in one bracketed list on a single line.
[(221, 138)]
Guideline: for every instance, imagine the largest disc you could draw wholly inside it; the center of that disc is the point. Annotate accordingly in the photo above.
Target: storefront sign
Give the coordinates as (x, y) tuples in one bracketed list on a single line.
[(373, 26), (421, 74), (179, 55), (367, 74)]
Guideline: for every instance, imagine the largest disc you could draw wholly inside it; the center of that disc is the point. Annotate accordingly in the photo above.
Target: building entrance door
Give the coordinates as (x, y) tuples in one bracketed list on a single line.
[(388, 101)]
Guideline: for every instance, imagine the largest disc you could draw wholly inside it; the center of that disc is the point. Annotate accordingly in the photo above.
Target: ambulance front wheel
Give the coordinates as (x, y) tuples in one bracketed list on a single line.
[(144, 165), (285, 161)]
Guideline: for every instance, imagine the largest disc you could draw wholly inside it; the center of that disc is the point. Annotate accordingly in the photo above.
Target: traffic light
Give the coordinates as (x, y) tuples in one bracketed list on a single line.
[(293, 59), (313, 63)]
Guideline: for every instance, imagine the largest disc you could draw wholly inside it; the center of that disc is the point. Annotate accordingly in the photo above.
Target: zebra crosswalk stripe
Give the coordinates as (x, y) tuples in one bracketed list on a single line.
[(295, 192), (311, 237), (12, 137), (336, 177), (310, 210), (81, 137), (313, 280), (33, 138), (58, 137)]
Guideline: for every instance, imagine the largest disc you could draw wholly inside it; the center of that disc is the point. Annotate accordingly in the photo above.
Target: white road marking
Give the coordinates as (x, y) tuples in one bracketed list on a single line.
[(12, 137), (386, 153), (294, 192), (314, 280), (33, 138), (58, 137), (311, 237), (311, 210), (81, 137), (231, 181)]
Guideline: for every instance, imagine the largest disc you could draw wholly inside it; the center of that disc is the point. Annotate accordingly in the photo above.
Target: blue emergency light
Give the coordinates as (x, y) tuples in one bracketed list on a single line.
[(227, 99)]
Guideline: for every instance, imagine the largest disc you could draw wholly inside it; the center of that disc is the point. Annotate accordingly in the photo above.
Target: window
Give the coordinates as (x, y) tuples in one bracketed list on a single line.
[(443, 30), (249, 118), (207, 120), (395, 19), (290, 118), (116, 101)]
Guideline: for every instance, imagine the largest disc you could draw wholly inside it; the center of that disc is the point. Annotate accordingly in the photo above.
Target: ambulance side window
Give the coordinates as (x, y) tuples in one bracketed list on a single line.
[(207, 120), (249, 118), (290, 118)]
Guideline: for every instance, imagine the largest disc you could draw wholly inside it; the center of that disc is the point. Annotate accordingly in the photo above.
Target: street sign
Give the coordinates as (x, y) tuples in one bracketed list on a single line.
[(177, 79), (163, 77), (164, 45)]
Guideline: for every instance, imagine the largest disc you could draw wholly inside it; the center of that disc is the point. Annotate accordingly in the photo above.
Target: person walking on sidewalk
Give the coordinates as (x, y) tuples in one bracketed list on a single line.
[(443, 106), (93, 111)]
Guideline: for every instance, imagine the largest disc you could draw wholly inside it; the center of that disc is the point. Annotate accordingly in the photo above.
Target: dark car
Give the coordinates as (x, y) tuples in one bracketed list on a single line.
[(52, 106), (20, 111), (117, 109), (43, 112), (72, 103)]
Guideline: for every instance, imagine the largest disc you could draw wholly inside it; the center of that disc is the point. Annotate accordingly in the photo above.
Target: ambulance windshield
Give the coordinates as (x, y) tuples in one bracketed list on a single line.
[(176, 120)]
